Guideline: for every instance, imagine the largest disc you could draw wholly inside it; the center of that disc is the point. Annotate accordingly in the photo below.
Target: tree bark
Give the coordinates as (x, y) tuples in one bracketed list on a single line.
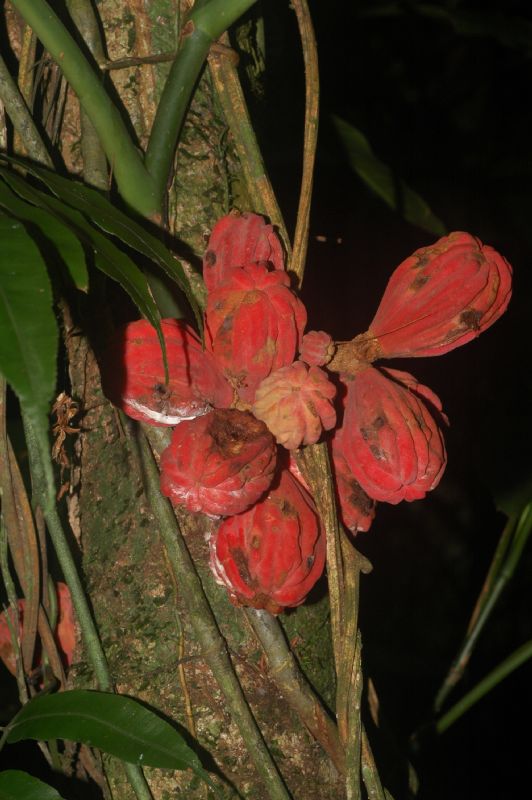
[(140, 611)]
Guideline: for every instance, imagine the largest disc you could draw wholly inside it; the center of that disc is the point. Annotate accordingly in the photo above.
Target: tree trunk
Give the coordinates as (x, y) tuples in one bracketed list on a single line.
[(141, 613)]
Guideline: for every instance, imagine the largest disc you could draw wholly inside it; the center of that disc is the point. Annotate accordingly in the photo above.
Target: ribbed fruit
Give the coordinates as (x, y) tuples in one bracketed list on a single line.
[(236, 240), (220, 463), (272, 555), (295, 402), (442, 297), (317, 348), (356, 508), (133, 379), (390, 441), (253, 325)]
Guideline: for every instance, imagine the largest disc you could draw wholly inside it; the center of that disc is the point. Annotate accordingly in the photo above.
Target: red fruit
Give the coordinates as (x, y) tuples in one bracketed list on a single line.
[(254, 324), (389, 440), (236, 240), (133, 374), (442, 297), (317, 348), (295, 403), (65, 631), (356, 508), (220, 463), (272, 555)]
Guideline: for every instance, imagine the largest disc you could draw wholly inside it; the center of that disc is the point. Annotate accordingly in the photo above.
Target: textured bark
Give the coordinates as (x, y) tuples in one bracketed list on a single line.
[(140, 613)]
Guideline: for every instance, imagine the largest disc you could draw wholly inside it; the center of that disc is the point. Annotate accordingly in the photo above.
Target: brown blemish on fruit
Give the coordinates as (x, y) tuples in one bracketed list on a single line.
[(471, 318), (231, 429), (419, 282), (359, 498), (210, 258)]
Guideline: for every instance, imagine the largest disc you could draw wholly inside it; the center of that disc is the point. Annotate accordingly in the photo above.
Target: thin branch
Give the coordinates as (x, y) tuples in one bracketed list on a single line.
[(21, 118), (231, 98), (25, 79), (310, 138), (293, 685), (95, 170)]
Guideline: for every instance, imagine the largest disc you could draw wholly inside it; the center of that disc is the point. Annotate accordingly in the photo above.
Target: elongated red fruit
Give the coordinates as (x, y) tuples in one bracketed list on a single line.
[(442, 297), (390, 441), (133, 377), (272, 555), (220, 463), (356, 508), (236, 240), (253, 325)]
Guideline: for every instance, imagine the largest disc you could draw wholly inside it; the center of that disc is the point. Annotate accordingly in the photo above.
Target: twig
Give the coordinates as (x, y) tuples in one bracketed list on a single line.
[(94, 161), (21, 118), (231, 98), (25, 79), (310, 138), (293, 685), (370, 775), (204, 623)]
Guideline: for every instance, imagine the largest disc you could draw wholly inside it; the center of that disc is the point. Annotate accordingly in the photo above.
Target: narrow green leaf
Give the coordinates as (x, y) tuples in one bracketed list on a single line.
[(18, 785), (111, 220), (379, 177), (107, 257), (66, 243), (116, 724), (492, 679), (28, 328)]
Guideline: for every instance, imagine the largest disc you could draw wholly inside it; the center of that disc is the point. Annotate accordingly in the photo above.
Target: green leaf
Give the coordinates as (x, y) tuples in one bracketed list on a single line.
[(110, 219), (66, 243), (18, 785), (379, 177), (116, 724), (108, 258), (28, 328)]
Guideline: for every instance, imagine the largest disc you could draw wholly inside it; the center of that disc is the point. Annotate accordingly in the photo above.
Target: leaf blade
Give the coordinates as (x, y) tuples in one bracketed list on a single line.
[(18, 785), (28, 327), (115, 222), (380, 179), (66, 244), (116, 724)]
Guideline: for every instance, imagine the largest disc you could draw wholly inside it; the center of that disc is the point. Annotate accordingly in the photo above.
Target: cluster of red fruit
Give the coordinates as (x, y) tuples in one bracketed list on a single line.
[(259, 389)]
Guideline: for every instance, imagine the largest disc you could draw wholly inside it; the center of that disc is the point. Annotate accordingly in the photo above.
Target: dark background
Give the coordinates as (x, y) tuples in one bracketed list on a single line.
[(449, 112)]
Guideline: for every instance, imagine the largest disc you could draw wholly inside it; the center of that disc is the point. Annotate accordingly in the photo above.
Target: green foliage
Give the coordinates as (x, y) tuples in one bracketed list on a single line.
[(28, 328), (67, 244), (106, 216), (118, 725), (67, 226), (380, 179), (18, 785)]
